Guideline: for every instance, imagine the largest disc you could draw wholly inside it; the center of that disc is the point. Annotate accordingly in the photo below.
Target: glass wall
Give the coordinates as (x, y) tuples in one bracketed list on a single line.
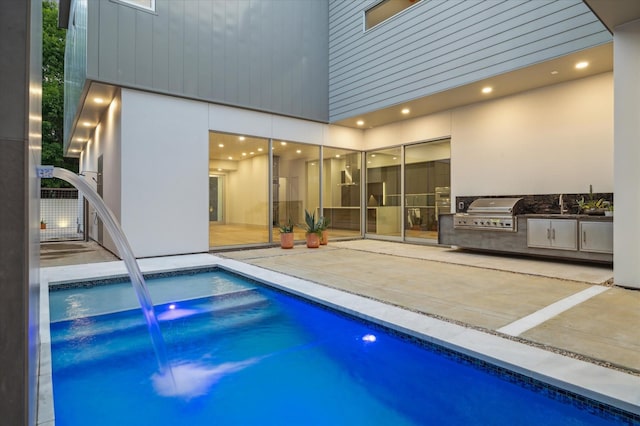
[(239, 190), (427, 174), (342, 191), (383, 192), (296, 184)]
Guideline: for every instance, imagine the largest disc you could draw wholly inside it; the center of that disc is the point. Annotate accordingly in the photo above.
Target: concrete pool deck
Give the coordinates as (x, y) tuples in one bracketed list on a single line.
[(560, 322)]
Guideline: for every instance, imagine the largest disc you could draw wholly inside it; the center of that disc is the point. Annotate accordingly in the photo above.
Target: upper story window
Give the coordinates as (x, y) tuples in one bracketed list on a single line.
[(142, 4), (385, 10)]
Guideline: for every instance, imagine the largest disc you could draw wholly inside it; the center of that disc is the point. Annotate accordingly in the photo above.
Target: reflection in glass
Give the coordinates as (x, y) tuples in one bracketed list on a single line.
[(341, 193), (296, 182), (240, 165), (427, 174), (383, 192)]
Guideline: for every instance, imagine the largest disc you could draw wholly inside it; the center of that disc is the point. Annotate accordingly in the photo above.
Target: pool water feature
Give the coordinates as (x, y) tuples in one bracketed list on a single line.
[(268, 358)]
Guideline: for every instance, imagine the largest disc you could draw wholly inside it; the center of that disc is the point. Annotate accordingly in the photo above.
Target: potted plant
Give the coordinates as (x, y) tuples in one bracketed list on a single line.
[(591, 205), (43, 224), (609, 211), (324, 233), (313, 229), (286, 235)]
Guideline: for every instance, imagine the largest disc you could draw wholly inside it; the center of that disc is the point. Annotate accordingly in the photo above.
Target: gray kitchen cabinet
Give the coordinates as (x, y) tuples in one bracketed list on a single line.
[(596, 237), (560, 234)]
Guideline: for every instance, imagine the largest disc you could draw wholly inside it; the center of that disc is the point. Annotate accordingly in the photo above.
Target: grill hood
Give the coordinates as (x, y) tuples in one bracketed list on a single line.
[(496, 206)]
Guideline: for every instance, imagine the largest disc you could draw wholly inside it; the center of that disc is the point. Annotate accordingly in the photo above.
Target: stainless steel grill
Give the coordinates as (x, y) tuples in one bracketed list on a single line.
[(496, 214)]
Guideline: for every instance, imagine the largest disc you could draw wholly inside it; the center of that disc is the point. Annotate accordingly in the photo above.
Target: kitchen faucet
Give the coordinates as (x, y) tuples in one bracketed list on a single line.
[(561, 203)]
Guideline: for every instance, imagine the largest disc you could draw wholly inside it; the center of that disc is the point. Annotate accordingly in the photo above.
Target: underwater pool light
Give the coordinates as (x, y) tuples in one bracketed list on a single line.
[(368, 338)]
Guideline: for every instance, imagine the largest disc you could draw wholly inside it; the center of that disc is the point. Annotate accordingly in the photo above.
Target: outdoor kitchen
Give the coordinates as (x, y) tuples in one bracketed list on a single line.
[(567, 226)]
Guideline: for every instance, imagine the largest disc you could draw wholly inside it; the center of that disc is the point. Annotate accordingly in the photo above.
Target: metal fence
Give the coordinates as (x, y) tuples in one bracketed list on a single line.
[(62, 214)]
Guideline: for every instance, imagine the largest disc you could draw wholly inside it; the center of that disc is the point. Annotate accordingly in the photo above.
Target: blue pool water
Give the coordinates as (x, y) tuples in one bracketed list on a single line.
[(253, 356)]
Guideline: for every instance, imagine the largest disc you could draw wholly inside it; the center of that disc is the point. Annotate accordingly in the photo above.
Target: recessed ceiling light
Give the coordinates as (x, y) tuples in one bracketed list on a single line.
[(337, 155), (75, 150), (283, 143), (395, 158), (219, 170), (554, 72), (405, 111), (241, 138), (259, 149), (313, 164), (86, 124), (251, 153), (581, 65), (230, 158), (244, 154), (487, 89), (98, 100), (360, 123), (298, 151), (373, 155), (221, 145)]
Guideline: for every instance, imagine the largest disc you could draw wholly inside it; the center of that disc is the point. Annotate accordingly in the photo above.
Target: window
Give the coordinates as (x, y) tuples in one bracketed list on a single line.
[(385, 10), (142, 4)]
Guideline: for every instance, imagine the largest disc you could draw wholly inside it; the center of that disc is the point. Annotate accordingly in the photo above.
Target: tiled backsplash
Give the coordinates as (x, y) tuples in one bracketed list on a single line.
[(541, 204)]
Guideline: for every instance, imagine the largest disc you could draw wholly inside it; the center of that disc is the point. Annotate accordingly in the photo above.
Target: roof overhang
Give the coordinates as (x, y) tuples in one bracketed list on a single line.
[(613, 13)]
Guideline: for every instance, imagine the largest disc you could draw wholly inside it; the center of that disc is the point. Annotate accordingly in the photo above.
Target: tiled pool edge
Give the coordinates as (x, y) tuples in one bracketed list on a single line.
[(595, 382)]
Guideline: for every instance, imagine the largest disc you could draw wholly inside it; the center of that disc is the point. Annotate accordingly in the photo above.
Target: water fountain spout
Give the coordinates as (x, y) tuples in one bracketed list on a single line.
[(124, 249)]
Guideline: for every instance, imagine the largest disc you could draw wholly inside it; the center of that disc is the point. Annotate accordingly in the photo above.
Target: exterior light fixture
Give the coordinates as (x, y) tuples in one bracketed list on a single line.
[(405, 111), (230, 158), (241, 138), (298, 151), (259, 149), (582, 65), (360, 123), (98, 100), (283, 143), (487, 90), (221, 145), (86, 124), (244, 154)]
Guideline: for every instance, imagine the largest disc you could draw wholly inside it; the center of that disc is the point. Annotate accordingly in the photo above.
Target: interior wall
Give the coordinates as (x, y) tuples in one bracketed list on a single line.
[(164, 163), (246, 202)]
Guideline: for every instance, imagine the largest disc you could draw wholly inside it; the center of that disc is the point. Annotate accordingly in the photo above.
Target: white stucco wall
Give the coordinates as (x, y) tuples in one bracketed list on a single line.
[(553, 140), (165, 189), (558, 139), (626, 232)]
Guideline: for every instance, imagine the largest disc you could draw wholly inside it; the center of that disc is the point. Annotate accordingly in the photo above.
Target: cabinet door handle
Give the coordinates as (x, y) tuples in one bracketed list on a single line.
[(553, 234), (584, 237), (548, 234)]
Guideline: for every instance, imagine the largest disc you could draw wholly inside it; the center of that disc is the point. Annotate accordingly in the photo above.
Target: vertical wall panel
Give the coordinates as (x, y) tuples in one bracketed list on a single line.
[(160, 35), (269, 55), (436, 45), (144, 49)]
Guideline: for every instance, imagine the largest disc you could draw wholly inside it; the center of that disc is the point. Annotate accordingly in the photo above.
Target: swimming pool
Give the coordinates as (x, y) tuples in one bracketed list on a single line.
[(269, 358)]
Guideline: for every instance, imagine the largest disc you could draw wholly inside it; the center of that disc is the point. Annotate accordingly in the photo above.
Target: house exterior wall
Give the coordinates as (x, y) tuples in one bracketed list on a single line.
[(20, 153), (626, 232), (164, 167), (437, 45), (545, 141), (268, 55)]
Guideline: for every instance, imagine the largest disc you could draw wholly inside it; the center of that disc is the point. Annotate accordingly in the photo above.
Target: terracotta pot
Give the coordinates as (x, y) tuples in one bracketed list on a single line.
[(324, 238), (43, 226), (286, 240), (313, 240)]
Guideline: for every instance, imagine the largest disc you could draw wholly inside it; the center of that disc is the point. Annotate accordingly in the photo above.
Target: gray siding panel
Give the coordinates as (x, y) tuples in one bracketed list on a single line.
[(270, 55), (436, 45)]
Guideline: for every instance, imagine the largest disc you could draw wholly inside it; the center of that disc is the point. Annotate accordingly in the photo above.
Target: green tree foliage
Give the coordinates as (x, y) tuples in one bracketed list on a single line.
[(53, 43)]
